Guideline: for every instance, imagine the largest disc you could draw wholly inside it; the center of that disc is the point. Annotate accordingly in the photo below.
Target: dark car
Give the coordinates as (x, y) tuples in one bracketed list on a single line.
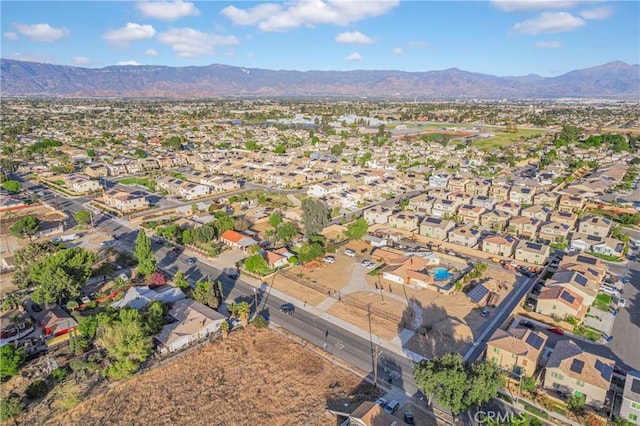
[(409, 418), (176, 249), (288, 308), (190, 260), (556, 330), (234, 275), (528, 324)]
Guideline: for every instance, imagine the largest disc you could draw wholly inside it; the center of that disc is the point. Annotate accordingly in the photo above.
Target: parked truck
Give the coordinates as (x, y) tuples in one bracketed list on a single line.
[(65, 238)]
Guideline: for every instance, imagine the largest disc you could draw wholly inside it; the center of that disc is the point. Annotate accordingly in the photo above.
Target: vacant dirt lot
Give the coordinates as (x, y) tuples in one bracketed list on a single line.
[(358, 317), (333, 276), (296, 290), (253, 377)]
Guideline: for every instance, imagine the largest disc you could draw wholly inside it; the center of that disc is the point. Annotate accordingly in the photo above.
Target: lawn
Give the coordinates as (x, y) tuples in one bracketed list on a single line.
[(503, 139), (535, 410), (602, 302), (605, 257), (149, 183), (587, 332)]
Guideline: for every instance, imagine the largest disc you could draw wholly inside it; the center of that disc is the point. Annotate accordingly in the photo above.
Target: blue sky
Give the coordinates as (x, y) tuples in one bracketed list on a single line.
[(500, 37)]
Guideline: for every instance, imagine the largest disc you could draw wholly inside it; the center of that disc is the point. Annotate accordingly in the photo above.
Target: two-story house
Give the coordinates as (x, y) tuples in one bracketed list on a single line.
[(496, 220), (572, 371), (470, 214), (500, 191), (125, 202), (537, 211), (404, 220), (444, 208), (595, 225), (484, 201), (525, 227), (499, 245), (81, 184), (547, 199), (377, 215), (438, 180), (561, 303), (465, 236), (517, 351), (529, 252), (630, 405), (457, 184), (508, 206), (570, 204), (421, 203), (521, 195), (568, 218), (478, 187), (435, 227), (554, 232)]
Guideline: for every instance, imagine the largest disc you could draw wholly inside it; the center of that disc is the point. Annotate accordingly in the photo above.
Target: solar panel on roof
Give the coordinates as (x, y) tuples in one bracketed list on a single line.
[(635, 386), (605, 370), (577, 366), (535, 246), (592, 271), (478, 293), (534, 340), (567, 296), (580, 279), (585, 259)]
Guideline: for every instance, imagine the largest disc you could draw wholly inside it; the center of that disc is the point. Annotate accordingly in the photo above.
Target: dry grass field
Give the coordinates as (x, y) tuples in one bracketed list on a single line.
[(254, 377)]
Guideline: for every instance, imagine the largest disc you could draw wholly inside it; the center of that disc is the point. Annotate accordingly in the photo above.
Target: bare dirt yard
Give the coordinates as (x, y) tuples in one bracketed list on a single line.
[(296, 290), (384, 328), (253, 377), (332, 276)]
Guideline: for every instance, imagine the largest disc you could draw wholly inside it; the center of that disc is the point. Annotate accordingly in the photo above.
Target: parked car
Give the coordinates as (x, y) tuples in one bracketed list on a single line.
[(364, 262), (234, 275), (392, 407), (409, 418), (381, 402), (329, 259), (190, 260), (485, 312), (176, 249), (622, 303), (107, 243), (556, 330), (288, 308), (609, 290), (350, 253), (528, 324)]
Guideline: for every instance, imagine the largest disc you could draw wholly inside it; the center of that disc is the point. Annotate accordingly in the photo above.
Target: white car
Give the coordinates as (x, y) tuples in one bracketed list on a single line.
[(609, 290), (329, 259), (350, 253), (622, 303)]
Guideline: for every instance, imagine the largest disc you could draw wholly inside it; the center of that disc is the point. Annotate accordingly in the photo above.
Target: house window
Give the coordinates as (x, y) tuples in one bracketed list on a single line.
[(553, 307), (495, 360), (579, 394), (579, 383), (557, 375), (633, 417), (635, 405), (496, 350)]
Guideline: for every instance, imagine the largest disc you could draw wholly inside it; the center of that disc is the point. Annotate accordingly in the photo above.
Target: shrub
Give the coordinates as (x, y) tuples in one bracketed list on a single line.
[(260, 322), (59, 374), (11, 407), (37, 389), (77, 365)]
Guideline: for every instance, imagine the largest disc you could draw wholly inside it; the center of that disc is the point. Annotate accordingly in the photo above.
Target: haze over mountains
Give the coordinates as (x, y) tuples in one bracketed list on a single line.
[(614, 80)]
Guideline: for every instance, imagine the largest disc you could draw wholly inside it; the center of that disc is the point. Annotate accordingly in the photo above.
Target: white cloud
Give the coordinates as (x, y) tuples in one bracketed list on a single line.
[(31, 57), (353, 37), (398, 50), (602, 12), (130, 32), (9, 35), (549, 23), (42, 32), (355, 56), (307, 13), (190, 43), (418, 44), (81, 60), (531, 5), (168, 11), (548, 45), (151, 52), (121, 63)]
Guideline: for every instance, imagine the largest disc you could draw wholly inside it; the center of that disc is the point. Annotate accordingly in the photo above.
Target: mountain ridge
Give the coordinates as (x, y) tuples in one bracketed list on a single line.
[(614, 80)]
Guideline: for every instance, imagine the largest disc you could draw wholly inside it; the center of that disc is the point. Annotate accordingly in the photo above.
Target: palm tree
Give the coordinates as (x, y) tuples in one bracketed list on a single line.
[(121, 283), (224, 328), (242, 310)]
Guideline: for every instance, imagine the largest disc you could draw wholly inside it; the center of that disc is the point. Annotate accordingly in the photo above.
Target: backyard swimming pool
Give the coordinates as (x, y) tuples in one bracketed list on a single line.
[(441, 274)]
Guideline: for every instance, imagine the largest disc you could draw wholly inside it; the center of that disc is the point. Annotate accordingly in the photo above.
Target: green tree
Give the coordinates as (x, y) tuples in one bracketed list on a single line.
[(485, 380), (144, 254), (575, 403), (337, 149), (27, 226), (62, 275), (82, 217), (240, 310), (275, 219), (187, 236), (10, 361), (287, 231), (308, 252), (357, 229), (528, 384), (140, 153), (11, 407), (445, 379), (222, 223), (257, 264), (208, 293), (12, 186), (153, 317), (181, 282), (315, 216), (27, 257), (125, 342), (280, 149)]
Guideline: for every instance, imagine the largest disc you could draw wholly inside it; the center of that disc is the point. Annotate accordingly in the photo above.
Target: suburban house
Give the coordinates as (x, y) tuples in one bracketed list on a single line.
[(478, 187), (546, 199), (81, 184), (274, 260), (516, 351), (139, 296), (410, 270), (465, 236), (443, 207), (438, 181), (55, 321), (457, 183), (14, 325), (421, 203), (496, 220), (568, 218), (117, 168), (521, 195), (484, 201), (377, 215), (323, 189), (554, 232), (191, 191), (607, 246), (510, 207), (579, 261), (404, 220), (532, 252), (523, 226), (630, 406), (96, 170), (560, 302), (595, 225), (537, 212), (470, 214), (371, 414), (193, 321), (237, 240), (570, 204), (578, 283), (500, 191), (502, 246), (459, 197), (572, 371), (124, 202), (434, 227)]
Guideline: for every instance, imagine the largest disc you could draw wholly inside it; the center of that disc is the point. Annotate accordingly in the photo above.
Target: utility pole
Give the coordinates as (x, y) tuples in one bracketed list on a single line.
[(375, 370), (373, 360), (380, 287)]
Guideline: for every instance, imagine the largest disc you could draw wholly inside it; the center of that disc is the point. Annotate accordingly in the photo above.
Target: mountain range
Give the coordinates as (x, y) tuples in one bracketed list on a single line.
[(614, 80)]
